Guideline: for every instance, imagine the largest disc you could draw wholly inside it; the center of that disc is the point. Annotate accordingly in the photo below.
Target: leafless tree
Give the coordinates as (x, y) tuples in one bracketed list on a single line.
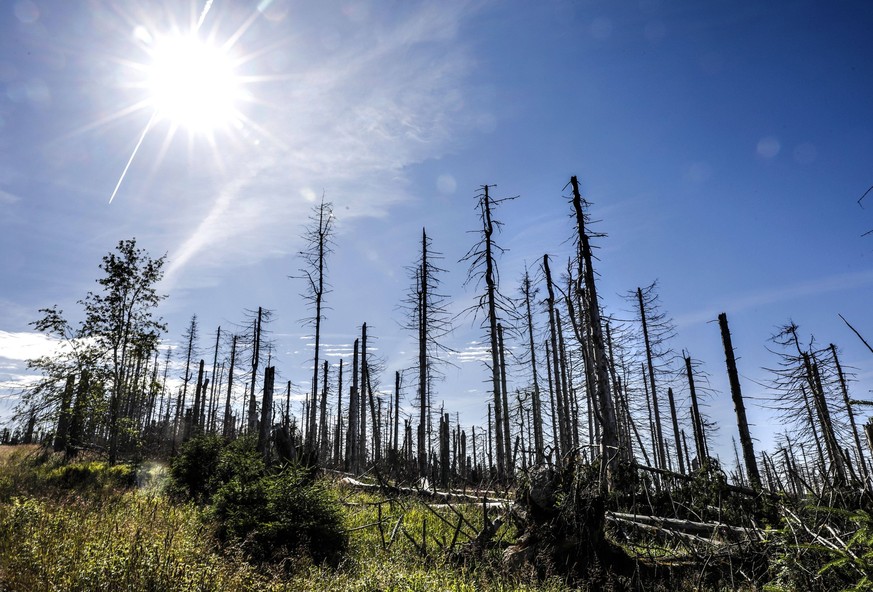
[(318, 235)]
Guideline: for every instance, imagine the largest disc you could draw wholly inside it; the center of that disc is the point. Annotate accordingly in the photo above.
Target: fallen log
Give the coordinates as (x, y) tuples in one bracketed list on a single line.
[(688, 526)]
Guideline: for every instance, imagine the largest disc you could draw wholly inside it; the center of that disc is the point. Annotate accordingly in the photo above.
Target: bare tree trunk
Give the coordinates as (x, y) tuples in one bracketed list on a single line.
[(227, 428), (661, 454), (739, 406), (539, 445), (556, 430), (266, 414), (337, 441), (609, 433), (444, 450), (395, 443), (571, 418), (507, 438), (194, 427), (256, 353), (696, 419), (322, 424), (362, 433), (352, 440), (848, 403), (318, 236), (215, 385), (824, 416), (561, 436), (676, 433), (423, 381), (491, 296)]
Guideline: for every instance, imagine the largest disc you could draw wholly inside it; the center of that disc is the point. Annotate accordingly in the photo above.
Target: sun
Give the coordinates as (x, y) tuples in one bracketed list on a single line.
[(192, 83)]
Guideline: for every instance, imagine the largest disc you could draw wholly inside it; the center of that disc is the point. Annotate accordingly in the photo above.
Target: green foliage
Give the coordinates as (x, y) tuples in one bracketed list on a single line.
[(95, 474), (280, 515), (239, 460), (268, 515), (823, 548), (854, 558), (193, 470), (119, 327)]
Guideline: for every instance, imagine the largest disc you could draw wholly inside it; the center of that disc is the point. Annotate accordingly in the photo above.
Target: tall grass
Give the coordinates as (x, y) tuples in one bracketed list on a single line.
[(75, 528)]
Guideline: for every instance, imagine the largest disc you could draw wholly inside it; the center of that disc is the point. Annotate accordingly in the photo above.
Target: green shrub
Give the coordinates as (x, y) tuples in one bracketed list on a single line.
[(193, 469), (280, 515), (239, 460), (269, 515)]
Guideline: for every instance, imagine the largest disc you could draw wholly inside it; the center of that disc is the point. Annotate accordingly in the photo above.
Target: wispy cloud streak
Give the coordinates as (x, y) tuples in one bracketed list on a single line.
[(764, 297)]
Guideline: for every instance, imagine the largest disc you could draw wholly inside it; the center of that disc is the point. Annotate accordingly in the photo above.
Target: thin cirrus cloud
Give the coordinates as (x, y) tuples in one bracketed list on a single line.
[(833, 283), (8, 198), (348, 125)]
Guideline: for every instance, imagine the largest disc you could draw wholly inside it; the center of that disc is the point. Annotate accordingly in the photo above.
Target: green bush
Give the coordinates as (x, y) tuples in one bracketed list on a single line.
[(269, 515), (193, 469), (280, 515)]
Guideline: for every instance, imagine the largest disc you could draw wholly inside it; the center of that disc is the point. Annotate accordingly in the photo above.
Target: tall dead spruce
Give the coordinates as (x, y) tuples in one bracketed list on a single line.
[(483, 268), (589, 303), (428, 319), (319, 244)]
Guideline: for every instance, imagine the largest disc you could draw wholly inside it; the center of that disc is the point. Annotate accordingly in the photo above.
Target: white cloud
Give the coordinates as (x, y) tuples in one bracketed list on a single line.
[(26, 345)]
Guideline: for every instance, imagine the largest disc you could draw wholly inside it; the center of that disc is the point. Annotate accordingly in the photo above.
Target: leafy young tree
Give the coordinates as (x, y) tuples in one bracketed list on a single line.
[(120, 319), (119, 327)]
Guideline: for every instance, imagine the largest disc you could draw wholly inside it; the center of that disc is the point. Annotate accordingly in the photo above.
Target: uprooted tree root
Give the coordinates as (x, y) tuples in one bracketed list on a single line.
[(563, 521)]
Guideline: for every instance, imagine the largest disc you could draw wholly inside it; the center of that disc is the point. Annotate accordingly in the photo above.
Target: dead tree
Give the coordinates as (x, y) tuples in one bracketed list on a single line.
[(256, 354), (352, 440), (528, 293), (556, 390), (739, 406), (804, 381), (365, 371), (215, 385), (266, 414), (645, 301), (590, 304), (844, 389), (227, 426), (482, 259), (191, 351), (427, 318), (677, 435), (696, 419), (338, 436), (323, 423), (318, 235)]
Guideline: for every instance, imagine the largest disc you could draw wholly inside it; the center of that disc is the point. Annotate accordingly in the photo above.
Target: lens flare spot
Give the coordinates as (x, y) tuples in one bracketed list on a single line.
[(768, 147)]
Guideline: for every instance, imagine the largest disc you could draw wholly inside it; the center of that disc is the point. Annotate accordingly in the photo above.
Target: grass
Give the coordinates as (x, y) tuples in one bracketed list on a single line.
[(87, 526)]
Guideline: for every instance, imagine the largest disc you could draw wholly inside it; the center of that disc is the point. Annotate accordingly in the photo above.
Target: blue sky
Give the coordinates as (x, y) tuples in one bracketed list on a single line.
[(723, 145)]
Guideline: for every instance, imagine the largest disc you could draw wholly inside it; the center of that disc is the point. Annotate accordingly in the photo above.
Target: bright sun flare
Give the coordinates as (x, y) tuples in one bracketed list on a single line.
[(193, 84)]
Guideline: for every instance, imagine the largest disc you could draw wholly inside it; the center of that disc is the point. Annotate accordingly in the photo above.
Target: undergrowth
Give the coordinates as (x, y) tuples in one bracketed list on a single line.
[(86, 525), (60, 532)]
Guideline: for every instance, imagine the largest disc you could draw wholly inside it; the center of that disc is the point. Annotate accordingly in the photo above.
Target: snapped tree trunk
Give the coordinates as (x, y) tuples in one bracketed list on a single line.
[(740, 408)]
